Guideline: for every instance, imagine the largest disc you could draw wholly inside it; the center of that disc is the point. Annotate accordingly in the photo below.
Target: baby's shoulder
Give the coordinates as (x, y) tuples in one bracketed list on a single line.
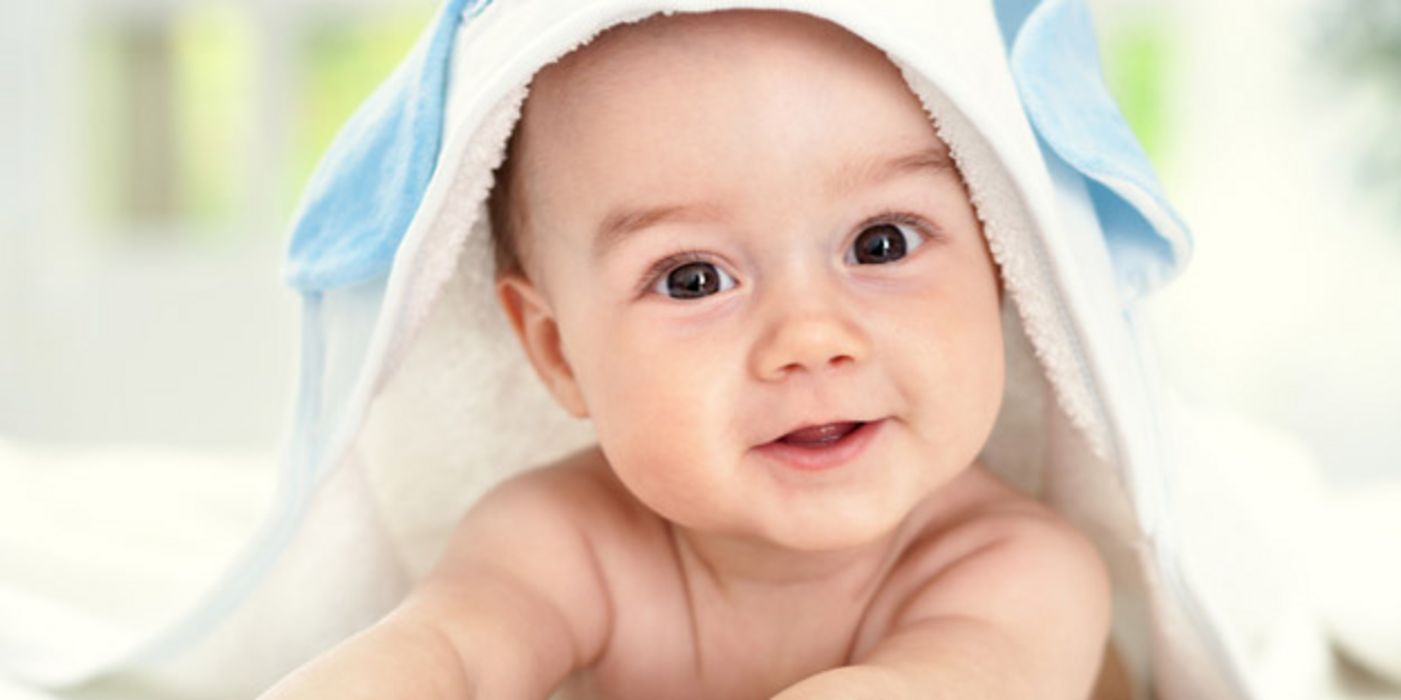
[(987, 551), (980, 508), (534, 557), (575, 508), (983, 513), (577, 494)]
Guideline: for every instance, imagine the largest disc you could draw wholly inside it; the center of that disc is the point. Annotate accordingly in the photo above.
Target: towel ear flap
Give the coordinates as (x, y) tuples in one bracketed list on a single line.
[(1054, 60), (367, 188)]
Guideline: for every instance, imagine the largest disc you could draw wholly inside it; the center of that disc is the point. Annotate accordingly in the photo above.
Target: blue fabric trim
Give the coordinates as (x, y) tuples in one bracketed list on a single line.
[(1055, 62), (1011, 15), (364, 193)]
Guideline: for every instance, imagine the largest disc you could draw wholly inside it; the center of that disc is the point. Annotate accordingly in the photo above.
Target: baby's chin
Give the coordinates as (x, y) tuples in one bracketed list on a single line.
[(829, 525), (836, 538), (839, 527), (811, 524), (852, 519)]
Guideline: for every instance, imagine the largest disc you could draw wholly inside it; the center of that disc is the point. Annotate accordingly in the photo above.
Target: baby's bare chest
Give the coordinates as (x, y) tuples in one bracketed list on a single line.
[(672, 638), (674, 635), (663, 647)]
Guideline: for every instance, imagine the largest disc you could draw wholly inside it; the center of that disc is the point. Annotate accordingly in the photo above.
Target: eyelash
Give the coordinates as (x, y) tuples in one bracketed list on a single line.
[(667, 264), (918, 223), (664, 266)]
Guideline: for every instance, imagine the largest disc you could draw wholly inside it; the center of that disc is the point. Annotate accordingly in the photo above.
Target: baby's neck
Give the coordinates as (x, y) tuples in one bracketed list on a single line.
[(745, 569)]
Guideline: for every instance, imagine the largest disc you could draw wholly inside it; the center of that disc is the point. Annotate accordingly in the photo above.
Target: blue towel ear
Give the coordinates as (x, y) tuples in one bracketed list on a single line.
[(367, 187), (1055, 63)]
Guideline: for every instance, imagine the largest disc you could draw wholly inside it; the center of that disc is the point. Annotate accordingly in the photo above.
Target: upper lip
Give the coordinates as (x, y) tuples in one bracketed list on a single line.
[(813, 424)]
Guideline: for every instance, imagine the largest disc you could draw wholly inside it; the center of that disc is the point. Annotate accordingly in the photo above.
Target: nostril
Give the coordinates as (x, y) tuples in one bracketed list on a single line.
[(834, 362), (812, 345)]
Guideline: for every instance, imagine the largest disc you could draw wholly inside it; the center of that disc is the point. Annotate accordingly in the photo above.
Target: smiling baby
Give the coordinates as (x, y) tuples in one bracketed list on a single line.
[(735, 243)]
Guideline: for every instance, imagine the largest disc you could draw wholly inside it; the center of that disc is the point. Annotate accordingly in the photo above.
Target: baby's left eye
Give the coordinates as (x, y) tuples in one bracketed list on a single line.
[(884, 242)]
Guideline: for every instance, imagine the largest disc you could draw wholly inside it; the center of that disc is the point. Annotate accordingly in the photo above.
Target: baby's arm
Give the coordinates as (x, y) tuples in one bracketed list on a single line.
[(515, 605), (1024, 614)]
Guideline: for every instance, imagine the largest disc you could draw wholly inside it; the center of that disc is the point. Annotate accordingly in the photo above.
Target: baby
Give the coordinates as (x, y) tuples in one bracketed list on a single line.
[(735, 243)]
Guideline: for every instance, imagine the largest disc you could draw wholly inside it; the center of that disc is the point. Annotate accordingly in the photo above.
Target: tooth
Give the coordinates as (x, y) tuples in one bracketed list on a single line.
[(831, 432)]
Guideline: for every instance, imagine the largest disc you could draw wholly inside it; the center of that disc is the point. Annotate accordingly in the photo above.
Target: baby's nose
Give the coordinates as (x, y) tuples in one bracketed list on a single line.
[(813, 341)]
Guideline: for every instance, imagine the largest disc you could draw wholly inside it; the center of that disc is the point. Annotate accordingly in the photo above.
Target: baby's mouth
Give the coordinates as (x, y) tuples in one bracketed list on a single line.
[(823, 447), (820, 435)]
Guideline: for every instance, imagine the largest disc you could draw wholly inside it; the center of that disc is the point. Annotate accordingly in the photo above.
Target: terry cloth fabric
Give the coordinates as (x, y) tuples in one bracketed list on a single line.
[(414, 398)]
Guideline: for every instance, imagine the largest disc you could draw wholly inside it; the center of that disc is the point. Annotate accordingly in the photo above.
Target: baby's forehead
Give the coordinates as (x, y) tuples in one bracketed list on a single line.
[(730, 109), (672, 43), (700, 61)]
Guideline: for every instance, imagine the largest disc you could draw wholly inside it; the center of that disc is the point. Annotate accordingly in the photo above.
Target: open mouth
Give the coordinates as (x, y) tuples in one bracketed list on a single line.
[(822, 447), (820, 435)]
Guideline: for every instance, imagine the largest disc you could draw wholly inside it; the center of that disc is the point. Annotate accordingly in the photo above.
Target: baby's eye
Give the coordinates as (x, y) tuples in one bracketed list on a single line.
[(693, 280), (884, 242)]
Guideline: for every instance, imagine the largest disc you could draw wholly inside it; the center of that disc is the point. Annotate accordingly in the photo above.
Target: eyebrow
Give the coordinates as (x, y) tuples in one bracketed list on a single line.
[(878, 170), (623, 222)]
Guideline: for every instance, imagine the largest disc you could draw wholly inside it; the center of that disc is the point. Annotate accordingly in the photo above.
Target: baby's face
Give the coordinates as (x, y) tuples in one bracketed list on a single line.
[(742, 225)]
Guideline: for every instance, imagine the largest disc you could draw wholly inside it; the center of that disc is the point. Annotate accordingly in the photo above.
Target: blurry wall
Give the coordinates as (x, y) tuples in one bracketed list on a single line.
[(151, 158)]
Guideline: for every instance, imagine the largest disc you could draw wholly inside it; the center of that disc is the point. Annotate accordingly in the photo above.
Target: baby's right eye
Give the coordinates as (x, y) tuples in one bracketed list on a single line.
[(693, 280)]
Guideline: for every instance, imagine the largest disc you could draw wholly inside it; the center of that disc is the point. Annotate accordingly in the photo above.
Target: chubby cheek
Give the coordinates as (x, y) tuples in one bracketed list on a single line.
[(659, 407), (956, 372)]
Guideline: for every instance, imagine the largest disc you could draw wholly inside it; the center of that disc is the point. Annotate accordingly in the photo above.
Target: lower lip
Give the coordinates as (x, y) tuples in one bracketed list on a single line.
[(823, 457)]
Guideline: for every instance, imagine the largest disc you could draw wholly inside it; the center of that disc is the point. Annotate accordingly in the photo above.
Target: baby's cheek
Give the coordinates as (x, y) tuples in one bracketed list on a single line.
[(661, 420), (977, 395)]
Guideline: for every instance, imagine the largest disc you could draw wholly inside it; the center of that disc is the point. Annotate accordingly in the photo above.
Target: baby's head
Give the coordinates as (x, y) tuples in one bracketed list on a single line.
[(736, 243)]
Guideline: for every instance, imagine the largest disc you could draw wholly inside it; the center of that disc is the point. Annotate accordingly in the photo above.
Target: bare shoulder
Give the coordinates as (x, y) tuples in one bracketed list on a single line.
[(1004, 545), (573, 508), (1016, 585), (979, 514), (578, 491), (519, 589), (988, 507), (545, 525)]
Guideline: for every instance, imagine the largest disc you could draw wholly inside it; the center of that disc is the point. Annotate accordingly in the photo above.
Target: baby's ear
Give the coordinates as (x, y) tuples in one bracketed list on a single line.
[(538, 332)]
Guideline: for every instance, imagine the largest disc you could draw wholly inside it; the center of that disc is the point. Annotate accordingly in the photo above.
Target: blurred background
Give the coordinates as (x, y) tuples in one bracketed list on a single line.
[(1274, 127), (151, 156), (152, 152)]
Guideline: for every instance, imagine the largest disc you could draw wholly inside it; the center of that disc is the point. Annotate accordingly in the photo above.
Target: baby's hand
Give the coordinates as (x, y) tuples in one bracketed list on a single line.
[(851, 683), (397, 657)]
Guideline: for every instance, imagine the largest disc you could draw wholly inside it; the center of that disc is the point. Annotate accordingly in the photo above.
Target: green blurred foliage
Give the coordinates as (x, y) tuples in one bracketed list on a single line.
[(171, 115), (213, 80), (102, 199), (1136, 54), (174, 105), (1362, 38)]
